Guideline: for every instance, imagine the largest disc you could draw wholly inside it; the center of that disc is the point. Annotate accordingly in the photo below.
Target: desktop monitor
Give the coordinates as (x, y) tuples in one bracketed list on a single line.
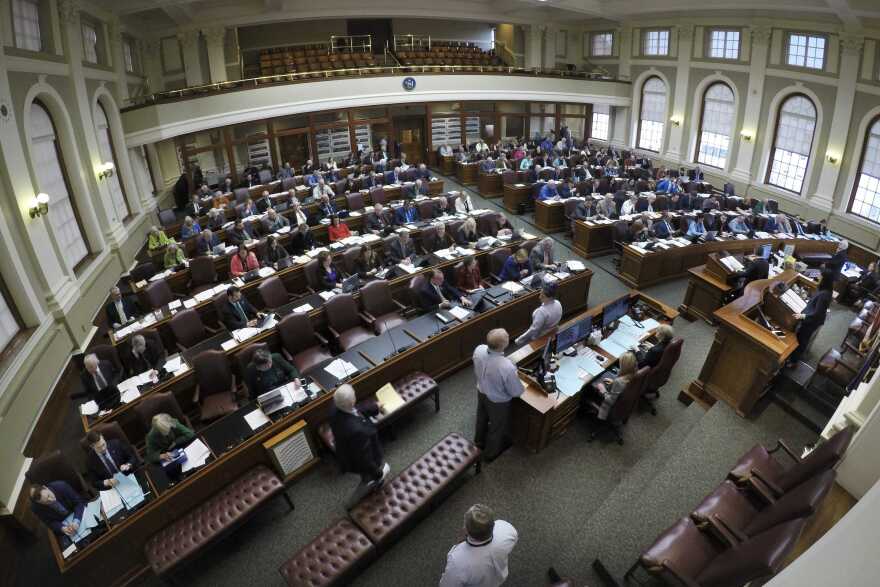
[(585, 327), (567, 338), (765, 251), (615, 310), (788, 250)]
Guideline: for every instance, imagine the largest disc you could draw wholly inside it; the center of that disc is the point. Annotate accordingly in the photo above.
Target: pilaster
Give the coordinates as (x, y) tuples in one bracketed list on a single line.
[(742, 170)]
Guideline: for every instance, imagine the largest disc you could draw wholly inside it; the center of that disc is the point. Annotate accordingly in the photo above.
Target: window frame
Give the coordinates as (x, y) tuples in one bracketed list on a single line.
[(592, 37), (117, 170), (20, 334), (130, 55), (855, 188), (95, 26), (772, 152), (808, 35), (702, 118), (644, 43), (726, 31), (640, 119), (42, 48)]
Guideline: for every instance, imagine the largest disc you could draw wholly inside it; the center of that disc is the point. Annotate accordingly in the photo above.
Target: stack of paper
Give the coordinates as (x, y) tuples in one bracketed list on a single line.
[(204, 296), (196, 455), (389, 399), (89, 408), (173, 363), (732, 263), (111, 503), (326, 295), (408, 267), (340, 369), (174, 304), (242, 334), (265, 271), (459, 312), (190, 303), (256, 419), (512, 287), (302, 309), (229, 344)]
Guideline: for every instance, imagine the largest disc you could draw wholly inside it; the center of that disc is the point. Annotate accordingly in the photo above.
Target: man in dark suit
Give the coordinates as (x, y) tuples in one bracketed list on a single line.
[(194, 208), (651, 357), (436, 293), (237, 312), (663, 228), (407, 213), (301, 239), (756, 268), (417, 188), (99, 379), (239, 234), (436, 240), (54, 502), (120, 310), (105, 458), (401, 248), (205, 242), (377, 221), (357, 445), (143, 355), (265, 202)]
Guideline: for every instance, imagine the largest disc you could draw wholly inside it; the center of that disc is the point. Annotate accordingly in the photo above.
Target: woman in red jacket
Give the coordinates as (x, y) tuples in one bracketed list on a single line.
[(337, 230), (242, 262)]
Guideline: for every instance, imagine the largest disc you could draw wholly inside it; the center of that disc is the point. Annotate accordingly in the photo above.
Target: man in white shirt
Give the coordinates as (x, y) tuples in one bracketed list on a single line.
[(629, 207), (498, 383), (463, 203), (545, 317), (322, 189), (481, 559), (445, 150)]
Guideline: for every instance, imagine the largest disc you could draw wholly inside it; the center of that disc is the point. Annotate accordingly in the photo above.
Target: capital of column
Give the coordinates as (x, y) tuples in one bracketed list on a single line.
[(685, 33), (148, 46), (68, 11), (215, 35), (851, 44), (761, 34), (188, 39)]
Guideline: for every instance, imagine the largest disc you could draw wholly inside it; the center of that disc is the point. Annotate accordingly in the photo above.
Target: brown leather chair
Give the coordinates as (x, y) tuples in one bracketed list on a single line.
[(497, 258), (273, 293), (110, 431), (415, 284), (427, 237), (151, 335), (529, 244), (203, 274), (659, 375), (381, 309), (760, 464), (346, 324), (188, 329), (355, 201), (426, 209), (377, 195), (349, 259), (215, 385), (241, 195), (300, 344), (244, 356), (159, 403), (107, 352), (840, 367), (142, 272), (53, 466), (311, 271), (159, 294), (620, 412)]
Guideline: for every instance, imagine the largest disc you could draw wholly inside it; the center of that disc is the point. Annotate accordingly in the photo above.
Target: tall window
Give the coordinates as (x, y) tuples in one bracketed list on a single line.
[(794, 140), (108, 153), (655, 43), (129, 55), (724, 44), (806, 51), (602, 44), (26, 24), (52, 180), (90, 42), (653, 115), (716, 125), (601, 121), (10, 324), (866, 198)]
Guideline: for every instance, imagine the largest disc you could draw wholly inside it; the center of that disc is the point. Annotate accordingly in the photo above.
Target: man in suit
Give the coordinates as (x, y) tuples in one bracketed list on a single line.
[(541, 256), (423, 173), (239, 234), (407, 213), (663, 228), (377, 222), (756, 268), (54, 502), (143, 355), (651, 356), (401, 248), (237, 312), (301, 239), (321, 189), (273, 221), (194, 208), (327, 208), (99, 379), (105, 458), (358, 449), (418, 188), (437, 293), (120, 310), (265, 202), (206, 242), (437, 240)]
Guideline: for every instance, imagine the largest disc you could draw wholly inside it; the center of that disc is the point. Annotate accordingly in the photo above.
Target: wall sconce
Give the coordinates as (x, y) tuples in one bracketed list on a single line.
[(39, 205), (675, 121), (833, 159), (746, 135), (105, 170)]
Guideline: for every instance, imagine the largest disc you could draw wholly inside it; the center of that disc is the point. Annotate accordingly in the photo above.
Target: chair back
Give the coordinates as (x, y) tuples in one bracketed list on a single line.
[(570, 205), (355, 201), (626, 403), (159, 403), (620, 231), (273, 293), (187, 327), (450, 201), (661, 203), (426, 209), (110, 431), (387, 243), (167, 218), (349, 258), (680, 553), (244, 357), (150, 335), (297, 333), (342, 312), (377, 195), (799, 502), (428, 235), (53, 466), (288, 183), (823, 457), (213, 373), (265, 176), (497, 258), (772, 207), (529, 245), (241, 194), (107, 352), (143, 272), (202, 271), (683, 223), (659, 375), (311, 271), (158, 294), (340, 186), (376, 298)]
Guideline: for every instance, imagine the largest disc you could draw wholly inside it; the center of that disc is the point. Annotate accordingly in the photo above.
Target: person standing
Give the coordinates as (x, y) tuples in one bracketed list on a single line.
[(813, 316), (545, 317), (497, 384), (481, 559)]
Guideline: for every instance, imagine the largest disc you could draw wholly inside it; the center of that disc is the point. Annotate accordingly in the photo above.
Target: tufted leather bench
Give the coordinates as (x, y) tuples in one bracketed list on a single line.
[(195, 530), (387, 513), (333, 558)]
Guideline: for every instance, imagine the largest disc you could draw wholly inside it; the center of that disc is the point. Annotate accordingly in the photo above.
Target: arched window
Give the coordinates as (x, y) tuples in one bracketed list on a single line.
[(652, 119), (790, 155), (716, 125), (866, 194), (48, 163), (108, 153)]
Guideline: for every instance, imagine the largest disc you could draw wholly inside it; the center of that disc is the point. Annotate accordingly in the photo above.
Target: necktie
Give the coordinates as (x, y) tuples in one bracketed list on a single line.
[(467, 207), (99, 380), (241, 311), (108, 462), (120, 309)]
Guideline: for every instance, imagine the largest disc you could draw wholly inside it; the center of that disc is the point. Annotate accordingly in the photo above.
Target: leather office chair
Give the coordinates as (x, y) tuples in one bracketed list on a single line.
[(426, 209), (377, 195), (159, 294), (142, 272), (497, 258), (53, 466), (340, 187), (345, 323), (529, 244), (759, 463), (241, 195), (450, 201), (383, 311), (188, 329), (202, 274), (349, 259), (415, 284), (167, 218), (355, 201), (620, 412), (311, 271), (620, 237), (106, 352), (239, 211), (569, 206), (243, 358), (215, 385), (110, 431), (300, 344), (288, 183), (659, 375), (159, 403), (265, 176), (661, 203), (273, 293), (427, 236), (840, 366), (508, 177)]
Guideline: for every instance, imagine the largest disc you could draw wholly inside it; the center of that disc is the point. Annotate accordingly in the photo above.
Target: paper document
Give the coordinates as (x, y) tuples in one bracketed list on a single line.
[(409, 268), (242, 334), (196, 455), (174, 304), (89, 408), (111, 503), (459, 312), (173, 363), (229, 344), (129, 395), (612, 348), (340, 369), (575, 265), (326, 295), (265, 271), (204, 296), (512, 287), (190, 303), (389, 399), (129, 490), (302, 309), (256, 419)]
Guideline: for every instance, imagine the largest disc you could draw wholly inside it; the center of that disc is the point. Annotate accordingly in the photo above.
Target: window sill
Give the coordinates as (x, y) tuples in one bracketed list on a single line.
[(98, 66), (83, 265), (13, 349), (28, 54)]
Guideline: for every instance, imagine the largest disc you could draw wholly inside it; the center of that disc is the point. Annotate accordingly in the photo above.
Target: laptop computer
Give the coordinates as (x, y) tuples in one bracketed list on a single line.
[(496, 292), (250, 275), (284, 263), (219, 249), (351, 284)]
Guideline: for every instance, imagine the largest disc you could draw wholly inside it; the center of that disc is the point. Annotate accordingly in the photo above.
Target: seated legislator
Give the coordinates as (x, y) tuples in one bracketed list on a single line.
[(157, 239), (651, 357), (105, 458), (99, 380), (216, 219), (541, 257), (696, 228), (194, 208), (367, 263), (466, 235), (516, 267), (438, 240), (545, 317), (739, 225), (608, 390), (301, 239), (242, 262), (59, 506), (239, 234), (417, 188), (756, 268), (249, 209), (328, 276), (298, 215), (326, 207), (464, 204), (166, 434), (173, 257), (142, 355), (237, 312), (267, 371), (629, 206), (407, 214), (584, 209), (120, 310), (607, 208), (273, 222), (662, 228), (868, 283), (323, 192), (274, 252), (467, 276), (402, 248), (436, 293), (206, 242), (337, 230), (190, 228), (441, 207), (377, 222), (549, 191), (264, 202)]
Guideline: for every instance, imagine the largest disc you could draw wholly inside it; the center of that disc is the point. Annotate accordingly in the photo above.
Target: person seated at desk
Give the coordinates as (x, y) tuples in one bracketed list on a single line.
[(264, 202), (377, 221), (639, 232), (328, 276), (337, 230), (194, 207), (441, 206), (487, 165), (739, 225), (273, 221), (206, 242), (663, 228), (216, 219), (367, 263), (142, 355), (466, 235), (313, 174), (402, 249), (99, 379), (239, 234), (326, 207), (297, 215), (242, 262), (445, 150), (237, 312), (558, 163), (696, 227), (157, 239), (516, 267), (301, 239), (105, 458), (54, 502), (867, 283), (190, 228), (711, 203), (173, 257), (285, 172), (464, 204), (771, 225), (525, 164), (370, 181), (267, 371), (566, 189), (545, 317), (646, 204), (467, 275), (418, 188), (680, 202), (663, 186), (438, 240), (607, 208), (541, 257), (612, 169), (120, 310), (584, 209), (274, 252), (321, 190), (755, 268), (607, 391), (548, 191), (502, 163), (393, 176), (437, 293), (651, 357), (165, 435), (249, 209), (629, 206), (408, 213)]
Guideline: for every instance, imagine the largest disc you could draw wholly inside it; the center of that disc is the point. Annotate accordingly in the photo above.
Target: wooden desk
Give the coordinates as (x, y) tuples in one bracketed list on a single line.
[(447, 165), (489, 185), (705, 294), (550, 215), (537, 418), (517, 195), (593, 240), (467, 172)]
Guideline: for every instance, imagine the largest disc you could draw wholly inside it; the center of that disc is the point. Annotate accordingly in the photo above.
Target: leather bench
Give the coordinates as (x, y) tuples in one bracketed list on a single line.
[(194, 531), (386, 514), (333, 558)]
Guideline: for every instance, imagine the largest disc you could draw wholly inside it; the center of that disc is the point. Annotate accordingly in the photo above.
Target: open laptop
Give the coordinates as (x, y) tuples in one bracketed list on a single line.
[(271, 401), (351, 284), (250, 275)]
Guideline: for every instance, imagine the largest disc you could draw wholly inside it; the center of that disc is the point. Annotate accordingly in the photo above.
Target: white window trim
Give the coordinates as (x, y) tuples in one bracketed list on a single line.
[(808, 35)]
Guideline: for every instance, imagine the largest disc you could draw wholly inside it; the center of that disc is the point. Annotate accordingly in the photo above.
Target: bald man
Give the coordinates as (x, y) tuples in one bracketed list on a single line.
[(99, 379), (497, 384)]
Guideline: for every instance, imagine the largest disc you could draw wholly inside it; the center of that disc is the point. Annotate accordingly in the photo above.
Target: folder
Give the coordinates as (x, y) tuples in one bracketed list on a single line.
[(389, 398)]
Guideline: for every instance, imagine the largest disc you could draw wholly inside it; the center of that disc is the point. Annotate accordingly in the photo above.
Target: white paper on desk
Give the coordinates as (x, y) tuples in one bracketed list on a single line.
[(562, 275), (463, 251), (265, 271), (302, 309), (574, 265), (183, 369), (512, 287), (271, 322), (326, 295), (174, 304), (89, 408), (242, 334), (204, 296), (141, 284), (256, 419), (408, 268), (196, 455), (612, 348), (129, 395), (336, 246), (302, 259), (229, 344), (340, 369), (527, 236), (111, 503), (283, 230), (445, 254), (173, 363), (190, 303), (354, 214), (459, 312), (148, 320), (68, 551), (315, 252), (370, 238), (122, 332)]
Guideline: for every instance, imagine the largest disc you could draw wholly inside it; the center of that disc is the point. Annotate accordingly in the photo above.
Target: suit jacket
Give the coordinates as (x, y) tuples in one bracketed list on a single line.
[(66, 496), (236, 237), (757, 269), (203, 247), (583, 209), (194, 209), (651, 357), (259, 382), (404, 216), (328, 209), (462, 238), (120, 454), (108, 371), (300, 242), (263, 204), (397, 251), (816, 310), (153, 357), (662, 228), (129, 306), (357, 444), (232, 318), (435, 243), (428, 298), (273, 256), (376, 222)]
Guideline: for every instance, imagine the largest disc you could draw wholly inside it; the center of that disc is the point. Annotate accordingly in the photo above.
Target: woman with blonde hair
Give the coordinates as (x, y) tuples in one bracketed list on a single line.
[(467, 233), (609, 390), (166, 434)]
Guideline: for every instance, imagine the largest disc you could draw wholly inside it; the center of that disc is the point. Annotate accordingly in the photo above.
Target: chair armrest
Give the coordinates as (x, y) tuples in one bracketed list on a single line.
[(322, 338), (180, 347), (769, 484), (726, 531), (400, 306), (333, 331), (684, 579), (366, 318), (211, 329), (762, 490), (197, 394), (780, 444)]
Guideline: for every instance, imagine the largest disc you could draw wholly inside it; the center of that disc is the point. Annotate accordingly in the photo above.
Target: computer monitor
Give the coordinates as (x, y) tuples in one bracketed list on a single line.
[(615, 310), (788, 250), (585, 327), (765, 251), (567, 338)]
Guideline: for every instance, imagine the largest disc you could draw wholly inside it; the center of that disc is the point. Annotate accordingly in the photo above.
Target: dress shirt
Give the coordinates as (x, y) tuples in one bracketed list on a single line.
[(544, 318), (525, 164), (696, 228), (463, 204), (120, 311), (481, 565), (301, 217), (548, 192), (738, 225), (318, 191), (628, 207), (497, 377)]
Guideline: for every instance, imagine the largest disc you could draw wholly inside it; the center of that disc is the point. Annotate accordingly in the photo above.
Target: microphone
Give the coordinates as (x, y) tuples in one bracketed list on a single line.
[(390, 336)]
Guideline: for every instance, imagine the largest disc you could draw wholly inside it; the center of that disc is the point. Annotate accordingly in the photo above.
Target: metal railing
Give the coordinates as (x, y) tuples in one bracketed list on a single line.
[(410, 42), (351, 44)]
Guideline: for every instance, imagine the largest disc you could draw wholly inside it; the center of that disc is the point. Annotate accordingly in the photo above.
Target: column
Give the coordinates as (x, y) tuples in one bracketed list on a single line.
[(676, 147), (742, 171), (851, 49), (215, 38), (624, 50), (151, 62), (533, 48), (619, 124), (549, 61), (192, 65), (117, 54)]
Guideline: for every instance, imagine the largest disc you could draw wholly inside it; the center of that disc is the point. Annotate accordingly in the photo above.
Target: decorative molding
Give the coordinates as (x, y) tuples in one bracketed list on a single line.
[(69, 10), (188, 39), (761, 34), (215, 35), (851, 45), (685, 33)]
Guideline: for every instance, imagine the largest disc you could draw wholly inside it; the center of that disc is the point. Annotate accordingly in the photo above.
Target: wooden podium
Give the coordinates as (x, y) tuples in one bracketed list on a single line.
[(489, 184), (708, 287)]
